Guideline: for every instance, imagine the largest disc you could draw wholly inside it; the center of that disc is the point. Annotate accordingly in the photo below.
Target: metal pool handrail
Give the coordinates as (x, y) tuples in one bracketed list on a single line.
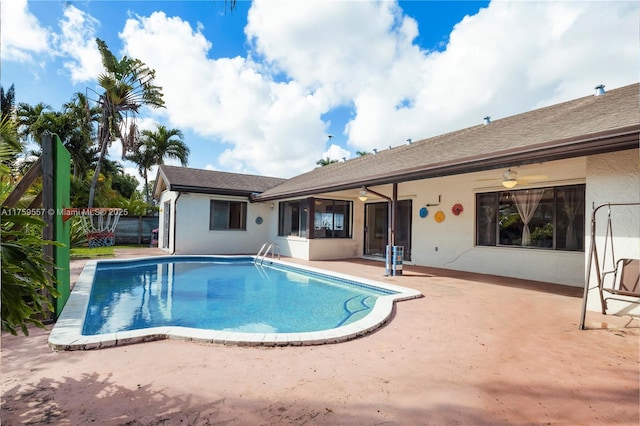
[(266, 247)]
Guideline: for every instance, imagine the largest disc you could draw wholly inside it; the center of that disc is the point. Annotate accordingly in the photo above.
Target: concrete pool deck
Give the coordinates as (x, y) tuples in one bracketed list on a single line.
[(477, 349)]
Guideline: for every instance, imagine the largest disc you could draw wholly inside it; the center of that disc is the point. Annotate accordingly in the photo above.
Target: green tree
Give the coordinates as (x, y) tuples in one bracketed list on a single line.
[(78, 136), (26, 282), (7, 101), (134, 205), (325, 161), (127, 85), (156, 146), (31, 121), (362, 153), (73, 124), (10, 146), (125, 184)]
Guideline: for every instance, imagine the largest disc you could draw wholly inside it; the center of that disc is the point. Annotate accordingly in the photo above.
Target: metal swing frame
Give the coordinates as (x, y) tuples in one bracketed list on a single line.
[(617, 270)]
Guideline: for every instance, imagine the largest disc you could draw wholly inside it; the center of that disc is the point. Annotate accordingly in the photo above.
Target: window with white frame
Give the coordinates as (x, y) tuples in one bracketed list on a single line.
[(547, 218), (224, 215)]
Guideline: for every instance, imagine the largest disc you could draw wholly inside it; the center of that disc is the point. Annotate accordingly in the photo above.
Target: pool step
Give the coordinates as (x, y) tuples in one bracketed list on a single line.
[(353, 306)]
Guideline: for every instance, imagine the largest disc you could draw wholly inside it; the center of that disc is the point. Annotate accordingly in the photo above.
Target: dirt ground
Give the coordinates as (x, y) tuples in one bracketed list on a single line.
[(475, 350)]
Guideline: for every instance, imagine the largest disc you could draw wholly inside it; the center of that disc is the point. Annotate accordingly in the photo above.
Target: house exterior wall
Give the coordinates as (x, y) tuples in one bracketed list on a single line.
[(451, 243), (295, 247), (613, 178), (321, 248), (191, 218)]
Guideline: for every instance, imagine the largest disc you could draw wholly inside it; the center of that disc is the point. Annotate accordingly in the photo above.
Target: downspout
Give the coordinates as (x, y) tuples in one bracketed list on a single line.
[(175, 221), (394, 211)]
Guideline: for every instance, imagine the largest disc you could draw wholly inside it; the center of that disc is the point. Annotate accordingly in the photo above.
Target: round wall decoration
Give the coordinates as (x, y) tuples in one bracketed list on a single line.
[(457, 209), (259, 220), (439, 216), (424, 212)]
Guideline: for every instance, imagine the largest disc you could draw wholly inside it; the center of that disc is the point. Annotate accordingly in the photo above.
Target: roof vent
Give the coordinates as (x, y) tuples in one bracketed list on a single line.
[(375, 150), (599, 90), (487, 120), (344, 159), (409, 141)]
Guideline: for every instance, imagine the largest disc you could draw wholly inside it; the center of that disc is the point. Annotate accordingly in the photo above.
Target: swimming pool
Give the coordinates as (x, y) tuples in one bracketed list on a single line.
[(219, 299)]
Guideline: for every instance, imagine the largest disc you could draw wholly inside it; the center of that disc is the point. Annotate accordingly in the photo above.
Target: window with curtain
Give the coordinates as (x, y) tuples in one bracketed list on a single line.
[(546, 218), (332, 219), (292, 218), (224, 215)]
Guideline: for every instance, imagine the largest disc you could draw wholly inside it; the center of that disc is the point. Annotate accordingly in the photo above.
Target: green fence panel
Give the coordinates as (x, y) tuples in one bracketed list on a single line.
[(62, 193)]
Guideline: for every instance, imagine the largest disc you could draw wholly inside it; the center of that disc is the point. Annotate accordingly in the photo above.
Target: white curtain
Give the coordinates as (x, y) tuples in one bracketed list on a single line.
[(488, 214), (572, 205), (527, 203)]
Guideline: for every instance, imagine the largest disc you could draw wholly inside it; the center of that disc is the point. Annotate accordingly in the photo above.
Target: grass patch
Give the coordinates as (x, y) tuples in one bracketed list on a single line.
[(98, 252), (91, 253)]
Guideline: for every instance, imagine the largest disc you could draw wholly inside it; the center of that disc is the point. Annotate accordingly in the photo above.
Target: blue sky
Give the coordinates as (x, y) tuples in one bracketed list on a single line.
[(258, 90)]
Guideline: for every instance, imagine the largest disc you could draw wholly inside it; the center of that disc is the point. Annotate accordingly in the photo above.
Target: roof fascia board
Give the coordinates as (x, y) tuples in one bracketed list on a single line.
[(598, 143), (210, 191), (162, 178)]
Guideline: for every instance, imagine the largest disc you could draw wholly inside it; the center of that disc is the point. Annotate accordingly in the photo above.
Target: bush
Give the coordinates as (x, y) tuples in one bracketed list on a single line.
[(27, 286)]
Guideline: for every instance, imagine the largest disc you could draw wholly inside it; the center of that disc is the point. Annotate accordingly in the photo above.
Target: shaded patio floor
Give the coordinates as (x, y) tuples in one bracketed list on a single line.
[(477, 349)]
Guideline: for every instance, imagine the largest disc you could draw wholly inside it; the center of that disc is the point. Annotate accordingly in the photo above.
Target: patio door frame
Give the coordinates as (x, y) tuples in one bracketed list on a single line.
[(376, 223), (166, 224)]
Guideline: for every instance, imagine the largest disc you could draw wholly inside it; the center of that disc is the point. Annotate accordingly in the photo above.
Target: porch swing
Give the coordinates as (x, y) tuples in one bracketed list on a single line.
[(618, 278)]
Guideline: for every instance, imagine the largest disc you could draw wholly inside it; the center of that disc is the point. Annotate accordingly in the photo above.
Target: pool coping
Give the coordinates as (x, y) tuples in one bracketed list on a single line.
[(67, 332)]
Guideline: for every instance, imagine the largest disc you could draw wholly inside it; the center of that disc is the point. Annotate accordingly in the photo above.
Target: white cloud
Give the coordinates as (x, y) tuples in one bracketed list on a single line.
[(309, 57), (270, 128), (21, 34), (77, 43), (509, 58), (336, 152)]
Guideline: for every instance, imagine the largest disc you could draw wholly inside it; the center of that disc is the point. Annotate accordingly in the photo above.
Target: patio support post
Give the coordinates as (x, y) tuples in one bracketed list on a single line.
[(391, 231)]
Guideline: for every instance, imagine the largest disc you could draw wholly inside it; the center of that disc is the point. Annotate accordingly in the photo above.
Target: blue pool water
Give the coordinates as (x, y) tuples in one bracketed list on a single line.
[(230, 294)]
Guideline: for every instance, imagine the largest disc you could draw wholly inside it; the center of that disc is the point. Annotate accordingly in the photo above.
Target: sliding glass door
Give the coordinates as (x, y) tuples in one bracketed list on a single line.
[(376, 228)]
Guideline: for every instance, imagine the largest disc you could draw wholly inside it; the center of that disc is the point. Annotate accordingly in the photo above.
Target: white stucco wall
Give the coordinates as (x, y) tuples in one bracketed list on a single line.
[(296, 247), (191, 218), (614, 178), (450, 244)]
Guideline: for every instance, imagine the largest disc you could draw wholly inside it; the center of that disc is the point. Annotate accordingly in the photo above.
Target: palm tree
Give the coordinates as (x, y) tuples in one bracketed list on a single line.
[(325, 161), (156, 146), (74, 125), (79, 139), (127, 84), (30, 120), (10, 145), (362, 153), (7, 101)]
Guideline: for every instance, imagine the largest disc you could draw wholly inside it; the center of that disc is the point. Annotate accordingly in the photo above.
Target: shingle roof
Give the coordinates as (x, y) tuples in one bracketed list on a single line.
[(184, 179), (585, 126)]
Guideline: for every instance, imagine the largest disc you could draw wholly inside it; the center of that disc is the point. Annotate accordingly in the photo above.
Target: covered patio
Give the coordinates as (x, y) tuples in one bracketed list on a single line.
[(476, 349)]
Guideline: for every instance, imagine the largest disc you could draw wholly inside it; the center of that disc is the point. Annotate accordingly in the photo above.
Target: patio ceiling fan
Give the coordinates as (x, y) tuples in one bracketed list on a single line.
[(510, 179)]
